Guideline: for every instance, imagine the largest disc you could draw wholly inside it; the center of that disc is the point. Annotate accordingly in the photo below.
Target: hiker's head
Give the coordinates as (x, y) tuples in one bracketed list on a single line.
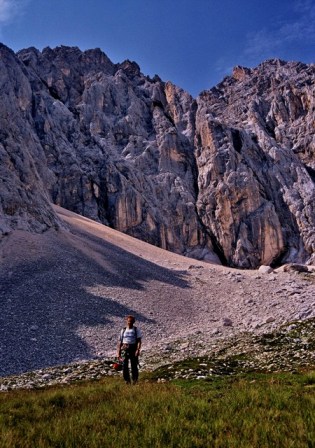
[(130, 320)]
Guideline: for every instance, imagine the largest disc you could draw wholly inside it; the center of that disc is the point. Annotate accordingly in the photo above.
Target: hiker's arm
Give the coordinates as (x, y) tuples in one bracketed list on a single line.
[(138, 346), (119, 349)]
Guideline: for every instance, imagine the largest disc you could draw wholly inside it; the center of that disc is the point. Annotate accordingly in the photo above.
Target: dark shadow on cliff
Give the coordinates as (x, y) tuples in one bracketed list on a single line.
[(43, 303)]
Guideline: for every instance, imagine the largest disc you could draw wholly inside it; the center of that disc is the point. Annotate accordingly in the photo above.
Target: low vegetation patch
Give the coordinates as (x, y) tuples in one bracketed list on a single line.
[(253, 410), (289, 349), (249, 391)]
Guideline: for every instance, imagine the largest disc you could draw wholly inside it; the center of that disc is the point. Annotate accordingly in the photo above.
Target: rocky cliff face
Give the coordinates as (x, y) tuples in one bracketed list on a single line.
[(24, 202), (227, 176), (255, 153)]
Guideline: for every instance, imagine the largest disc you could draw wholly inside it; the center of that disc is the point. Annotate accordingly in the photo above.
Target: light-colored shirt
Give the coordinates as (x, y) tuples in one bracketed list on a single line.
[(128, 336)]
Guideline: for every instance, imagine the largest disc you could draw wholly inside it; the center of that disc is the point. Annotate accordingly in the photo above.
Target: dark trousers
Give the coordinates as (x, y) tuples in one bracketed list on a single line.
[(130, 356)]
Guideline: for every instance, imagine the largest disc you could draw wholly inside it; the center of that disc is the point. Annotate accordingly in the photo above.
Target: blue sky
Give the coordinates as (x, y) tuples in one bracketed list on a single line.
[(193, 43)]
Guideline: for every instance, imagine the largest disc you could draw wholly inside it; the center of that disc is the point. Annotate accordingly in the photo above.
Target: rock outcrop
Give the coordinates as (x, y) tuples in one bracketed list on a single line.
[(228, 176), (24, 202), (255, 154)]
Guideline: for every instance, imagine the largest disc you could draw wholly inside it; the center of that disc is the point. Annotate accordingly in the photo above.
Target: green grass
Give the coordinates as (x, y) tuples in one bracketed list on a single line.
[(247, 411)]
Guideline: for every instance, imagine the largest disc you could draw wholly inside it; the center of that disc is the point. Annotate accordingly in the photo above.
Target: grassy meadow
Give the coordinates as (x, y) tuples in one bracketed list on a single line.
[(266, 410)]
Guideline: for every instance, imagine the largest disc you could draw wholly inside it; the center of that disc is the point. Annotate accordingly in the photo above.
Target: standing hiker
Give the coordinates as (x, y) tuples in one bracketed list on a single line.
[(129, 349)]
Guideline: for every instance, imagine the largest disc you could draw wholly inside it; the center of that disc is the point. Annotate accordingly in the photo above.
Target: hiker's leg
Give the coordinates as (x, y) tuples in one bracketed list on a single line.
[(134, 367), (126, 373)]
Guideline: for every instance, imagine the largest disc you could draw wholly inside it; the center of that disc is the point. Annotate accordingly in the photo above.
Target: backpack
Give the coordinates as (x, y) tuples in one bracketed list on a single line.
[(124, 329)]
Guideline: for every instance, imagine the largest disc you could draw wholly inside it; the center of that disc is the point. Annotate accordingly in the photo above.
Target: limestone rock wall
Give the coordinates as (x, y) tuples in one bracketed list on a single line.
[(118, 145), (227, 176), (255, 153), (24, 202)]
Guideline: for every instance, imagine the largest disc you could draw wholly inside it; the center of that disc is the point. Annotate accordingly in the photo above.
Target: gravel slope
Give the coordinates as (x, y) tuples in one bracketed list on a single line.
[(64, 295)]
